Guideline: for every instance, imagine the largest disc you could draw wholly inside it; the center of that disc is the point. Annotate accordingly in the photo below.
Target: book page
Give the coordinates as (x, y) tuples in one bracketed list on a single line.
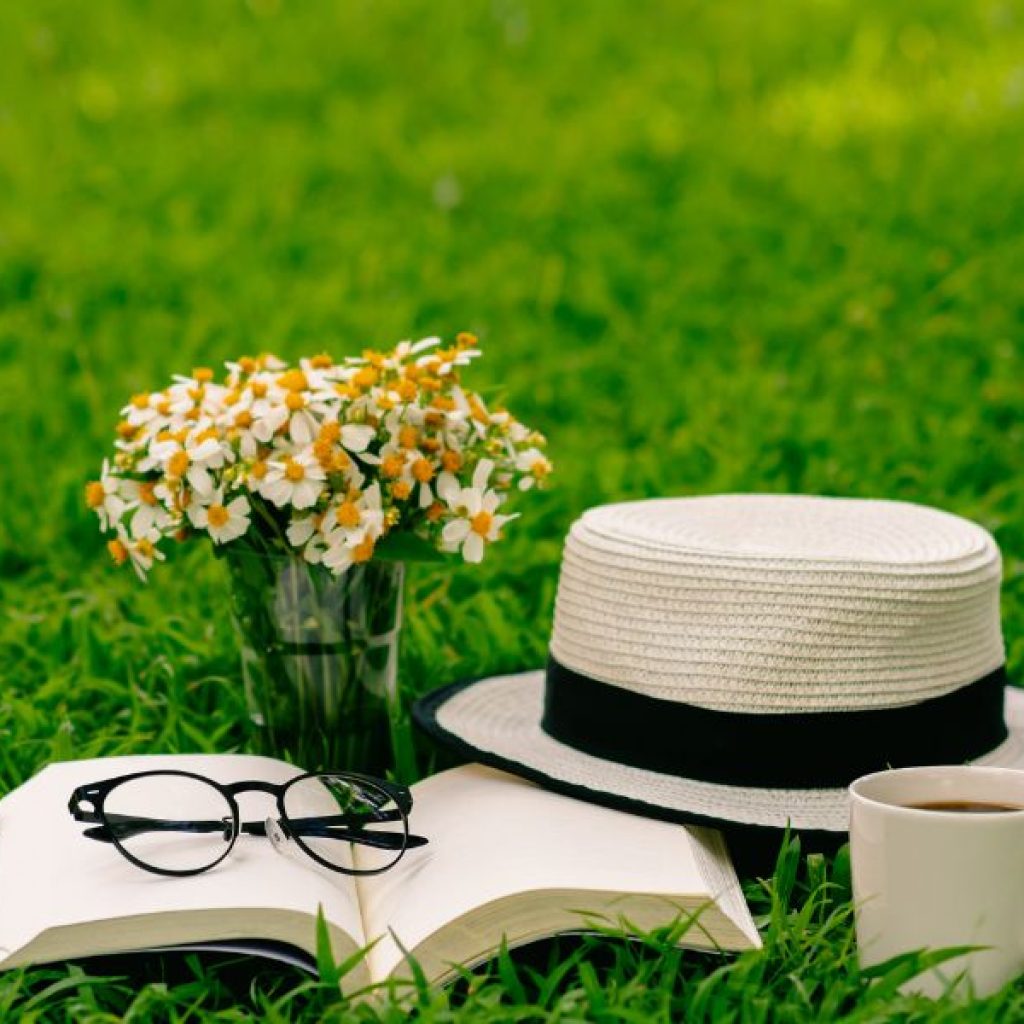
[(53, 879), (493, 836)]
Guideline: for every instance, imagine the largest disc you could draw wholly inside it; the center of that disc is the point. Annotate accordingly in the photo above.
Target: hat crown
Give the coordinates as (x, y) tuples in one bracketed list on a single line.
[(779, 603), (787, 527)]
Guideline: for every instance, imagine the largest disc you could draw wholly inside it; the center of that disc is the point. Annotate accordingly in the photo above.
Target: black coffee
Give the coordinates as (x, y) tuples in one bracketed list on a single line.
[(966, 807)]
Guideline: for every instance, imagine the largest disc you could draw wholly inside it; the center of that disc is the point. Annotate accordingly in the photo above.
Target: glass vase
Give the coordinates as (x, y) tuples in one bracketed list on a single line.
[(319, 657)]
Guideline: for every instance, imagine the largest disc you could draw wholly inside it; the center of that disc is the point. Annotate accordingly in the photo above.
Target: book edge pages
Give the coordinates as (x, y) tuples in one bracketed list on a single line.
[(723, 884), (713, 929), (165, 930)]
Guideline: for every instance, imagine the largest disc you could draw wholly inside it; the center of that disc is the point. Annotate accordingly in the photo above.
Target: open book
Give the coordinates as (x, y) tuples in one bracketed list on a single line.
[(504, 859)]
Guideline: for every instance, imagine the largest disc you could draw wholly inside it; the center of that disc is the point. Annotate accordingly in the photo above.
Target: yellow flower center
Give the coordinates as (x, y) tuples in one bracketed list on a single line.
[(243, 419), (451, 461), (177, 464), (294, 401), (443, 402), (125, 430), (340, 462), (323, 451), (363, 552), (217, 515), (293, 380), (259, 469), (94, 494), (392, 465), (481, 523), (258, 388), (465, 340), (330, 431), (144, 548), (293, 470), (540, 469), (164, 408), (422, 470), (435, 512), (247, 364), (146, 495), (401, 491), (408, 436), (321, 362), (348, 514), (407, 390), (118, 552), (365, 378), (140, 401), (203, 374)]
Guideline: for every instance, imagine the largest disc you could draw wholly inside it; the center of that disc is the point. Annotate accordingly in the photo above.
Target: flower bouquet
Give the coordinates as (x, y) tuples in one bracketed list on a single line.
[(317, 482)]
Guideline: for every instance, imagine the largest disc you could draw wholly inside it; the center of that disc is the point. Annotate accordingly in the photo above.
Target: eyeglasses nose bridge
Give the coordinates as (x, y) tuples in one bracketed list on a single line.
[(276, 834)]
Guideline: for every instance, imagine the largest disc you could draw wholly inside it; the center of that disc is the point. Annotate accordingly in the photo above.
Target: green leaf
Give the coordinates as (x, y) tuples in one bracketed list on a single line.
[(326, 965)]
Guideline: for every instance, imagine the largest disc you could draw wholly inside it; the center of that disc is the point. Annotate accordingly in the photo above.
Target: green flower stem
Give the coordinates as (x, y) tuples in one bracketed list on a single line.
[(319, 656)]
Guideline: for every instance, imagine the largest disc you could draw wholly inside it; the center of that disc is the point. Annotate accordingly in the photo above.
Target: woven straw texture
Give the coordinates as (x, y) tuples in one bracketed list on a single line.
[(767, 603), (501, 716)]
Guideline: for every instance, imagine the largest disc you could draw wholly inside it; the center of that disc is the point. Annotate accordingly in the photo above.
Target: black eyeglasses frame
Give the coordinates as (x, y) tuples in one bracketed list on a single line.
[(95, 794)]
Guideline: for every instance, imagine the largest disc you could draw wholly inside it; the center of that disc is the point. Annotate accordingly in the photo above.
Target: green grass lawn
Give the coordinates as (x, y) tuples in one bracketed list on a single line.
[(706, 247)]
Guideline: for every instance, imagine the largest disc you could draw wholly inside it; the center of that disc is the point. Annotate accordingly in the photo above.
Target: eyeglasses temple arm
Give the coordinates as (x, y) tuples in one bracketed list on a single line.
[(124, 826), (338, 826)]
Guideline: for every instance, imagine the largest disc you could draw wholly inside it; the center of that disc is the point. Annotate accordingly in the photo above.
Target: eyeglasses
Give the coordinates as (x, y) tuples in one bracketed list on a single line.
[(178, 823)]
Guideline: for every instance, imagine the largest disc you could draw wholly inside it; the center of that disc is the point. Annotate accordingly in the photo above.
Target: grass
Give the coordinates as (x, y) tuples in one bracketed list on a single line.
[(708, 247)]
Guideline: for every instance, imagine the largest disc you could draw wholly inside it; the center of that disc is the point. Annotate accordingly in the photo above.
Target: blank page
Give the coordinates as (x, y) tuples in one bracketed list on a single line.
[(493, 835)]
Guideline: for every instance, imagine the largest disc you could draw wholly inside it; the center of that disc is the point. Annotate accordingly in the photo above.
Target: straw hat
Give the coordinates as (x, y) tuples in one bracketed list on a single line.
[(739, 659)]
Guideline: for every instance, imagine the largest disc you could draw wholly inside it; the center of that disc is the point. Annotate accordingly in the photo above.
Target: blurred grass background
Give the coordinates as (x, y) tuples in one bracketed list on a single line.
[(707, 247)]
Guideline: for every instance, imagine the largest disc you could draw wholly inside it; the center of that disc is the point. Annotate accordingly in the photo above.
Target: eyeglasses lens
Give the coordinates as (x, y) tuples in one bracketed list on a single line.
[(328, 812), (170, 822)]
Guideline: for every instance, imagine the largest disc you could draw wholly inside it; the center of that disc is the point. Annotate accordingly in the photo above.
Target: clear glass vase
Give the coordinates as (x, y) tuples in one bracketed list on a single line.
[(319, 657)]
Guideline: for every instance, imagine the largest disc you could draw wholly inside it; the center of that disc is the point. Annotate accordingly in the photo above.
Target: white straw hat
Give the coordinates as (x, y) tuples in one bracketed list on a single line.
[(740, 659)]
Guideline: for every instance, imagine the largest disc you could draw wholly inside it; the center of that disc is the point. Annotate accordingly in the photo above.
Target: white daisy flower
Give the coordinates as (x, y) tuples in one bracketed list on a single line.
[(355, 517), (534, 465), (205, 453), (295, 480), (191, 461), (142, 551), (224, 523), (306, 535), (269, 415), (456, 357), (150, 513), (477, 521), (104, 496), (145, 409), (346, 552), (338, 557)]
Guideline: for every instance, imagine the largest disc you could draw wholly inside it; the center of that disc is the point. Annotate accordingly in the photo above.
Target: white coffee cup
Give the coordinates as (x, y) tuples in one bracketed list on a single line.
[(932, 879)]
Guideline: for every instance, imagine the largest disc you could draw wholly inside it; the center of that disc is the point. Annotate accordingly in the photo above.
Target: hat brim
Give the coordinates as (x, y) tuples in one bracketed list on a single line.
[(496, 721)]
